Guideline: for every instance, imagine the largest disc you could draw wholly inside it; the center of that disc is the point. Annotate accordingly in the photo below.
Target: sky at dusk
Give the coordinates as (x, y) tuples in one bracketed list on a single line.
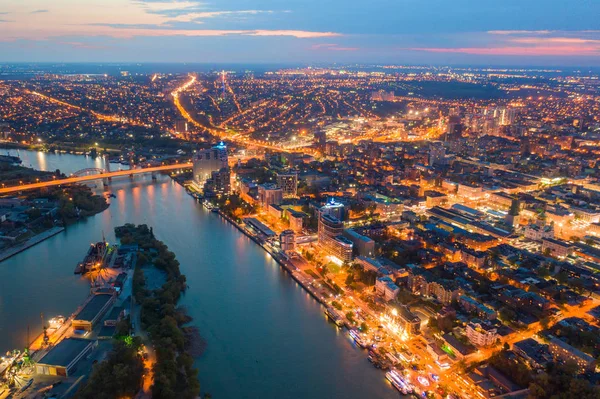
[(495, 32)]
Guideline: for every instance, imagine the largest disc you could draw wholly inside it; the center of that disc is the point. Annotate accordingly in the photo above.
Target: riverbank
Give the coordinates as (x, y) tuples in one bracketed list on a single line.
[(287, 266), (160, 318), (12, 251), (308, 283)]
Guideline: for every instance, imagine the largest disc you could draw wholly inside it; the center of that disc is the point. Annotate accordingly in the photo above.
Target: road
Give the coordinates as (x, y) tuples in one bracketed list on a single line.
[(80, 179), (222, 133)]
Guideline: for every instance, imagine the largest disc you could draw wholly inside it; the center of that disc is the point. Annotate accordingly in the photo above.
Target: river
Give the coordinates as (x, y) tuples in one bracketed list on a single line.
[(267, 338)]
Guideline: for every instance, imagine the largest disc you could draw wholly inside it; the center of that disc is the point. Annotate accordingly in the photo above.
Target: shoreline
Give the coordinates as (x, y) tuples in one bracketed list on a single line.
[(288, 268), (10, 252)]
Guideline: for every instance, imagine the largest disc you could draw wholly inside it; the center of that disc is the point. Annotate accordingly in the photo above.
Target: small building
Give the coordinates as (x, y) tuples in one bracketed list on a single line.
[(481, 334), (560, 249), (260, 227), (268, 194), (435, 198), (534, 353), (385, 287), (295, 218), (275, 211), (363, 245), (456, 348), (61, 359), (437, 353), (287, 240), (471, 305), (538, 233), (567, 353), (368, 264)]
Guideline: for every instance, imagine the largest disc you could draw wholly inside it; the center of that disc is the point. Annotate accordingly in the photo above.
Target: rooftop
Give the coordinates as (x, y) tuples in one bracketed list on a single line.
[(93, 307), (65, 351)]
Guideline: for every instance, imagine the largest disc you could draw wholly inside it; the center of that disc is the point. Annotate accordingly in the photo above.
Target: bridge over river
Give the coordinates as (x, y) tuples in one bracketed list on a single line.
[(92, 174)]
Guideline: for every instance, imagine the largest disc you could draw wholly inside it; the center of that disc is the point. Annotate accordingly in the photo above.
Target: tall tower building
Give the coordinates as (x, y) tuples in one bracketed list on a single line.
[(288, 182), (332, 241), (207, 161), (437, 154)]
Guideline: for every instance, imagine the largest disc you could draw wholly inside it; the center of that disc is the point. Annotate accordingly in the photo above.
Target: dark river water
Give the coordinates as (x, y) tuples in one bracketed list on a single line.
[(267, 338)]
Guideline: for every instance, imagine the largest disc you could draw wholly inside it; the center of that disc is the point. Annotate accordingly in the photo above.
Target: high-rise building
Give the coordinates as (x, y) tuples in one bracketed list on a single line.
[(437, 154), (507, 116), (333, 208), (320, 138), (269, 194), (181, 126), (331, 239), (207, 161), (288, 182), (220, 181)]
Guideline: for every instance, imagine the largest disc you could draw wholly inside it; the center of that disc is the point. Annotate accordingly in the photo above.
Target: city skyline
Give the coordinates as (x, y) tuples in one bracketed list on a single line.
[(555, 33)]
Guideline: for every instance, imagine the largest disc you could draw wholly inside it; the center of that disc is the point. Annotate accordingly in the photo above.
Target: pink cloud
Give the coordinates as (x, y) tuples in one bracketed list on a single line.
[(128, 33), (550, 40), (519, 32), (301, 34), (515, 50)]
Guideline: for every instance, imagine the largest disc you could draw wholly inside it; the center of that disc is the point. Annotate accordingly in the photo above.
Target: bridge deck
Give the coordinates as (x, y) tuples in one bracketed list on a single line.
[(80, 179)]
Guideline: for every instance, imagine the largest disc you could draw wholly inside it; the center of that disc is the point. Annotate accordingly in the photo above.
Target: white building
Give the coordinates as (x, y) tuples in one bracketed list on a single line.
[(481, 334), (385, 287), (207, 161)]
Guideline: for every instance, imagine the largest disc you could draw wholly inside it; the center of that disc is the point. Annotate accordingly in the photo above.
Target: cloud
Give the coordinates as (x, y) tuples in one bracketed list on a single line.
[(38, 11), (558, 51), (550, 40), (331, 47), (138, 31), (300, 34), (81, 45), (519, 32), (526, 43)]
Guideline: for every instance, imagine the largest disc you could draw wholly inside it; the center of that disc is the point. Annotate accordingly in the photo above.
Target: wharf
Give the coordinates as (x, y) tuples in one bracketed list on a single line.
[(9, 252)]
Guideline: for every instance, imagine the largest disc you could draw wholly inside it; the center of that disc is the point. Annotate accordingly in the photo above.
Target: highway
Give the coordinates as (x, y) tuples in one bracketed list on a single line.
[(80, 179)]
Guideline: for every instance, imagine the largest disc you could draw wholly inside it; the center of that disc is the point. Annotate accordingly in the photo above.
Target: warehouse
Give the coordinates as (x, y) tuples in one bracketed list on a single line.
[(64, 356), (93, 311)]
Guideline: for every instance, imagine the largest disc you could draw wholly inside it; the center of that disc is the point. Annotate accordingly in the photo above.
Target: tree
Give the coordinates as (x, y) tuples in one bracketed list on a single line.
[(507, 314), (350, 317), (364, 328), (349, 279)]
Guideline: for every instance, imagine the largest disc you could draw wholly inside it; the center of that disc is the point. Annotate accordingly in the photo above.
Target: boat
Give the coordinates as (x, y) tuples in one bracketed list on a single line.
[(358, 339), (398, 382), (93, 259), (10, 159), (334, 316)]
